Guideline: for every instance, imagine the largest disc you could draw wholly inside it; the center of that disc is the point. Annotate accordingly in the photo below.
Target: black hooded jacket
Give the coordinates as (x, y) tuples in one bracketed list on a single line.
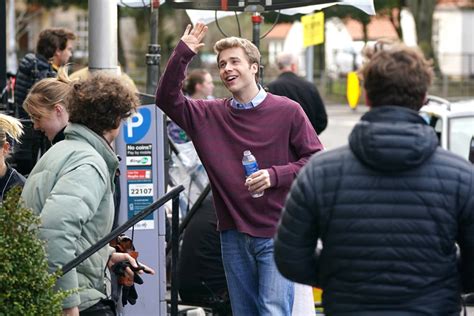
[(305, 93), (33, 67), (389, 210)]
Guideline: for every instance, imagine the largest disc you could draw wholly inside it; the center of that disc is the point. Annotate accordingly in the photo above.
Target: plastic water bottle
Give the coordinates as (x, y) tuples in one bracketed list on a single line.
[(250, 166)]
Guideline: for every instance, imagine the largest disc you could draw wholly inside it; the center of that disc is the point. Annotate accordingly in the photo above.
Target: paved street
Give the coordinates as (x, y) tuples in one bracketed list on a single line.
[(341, 121)]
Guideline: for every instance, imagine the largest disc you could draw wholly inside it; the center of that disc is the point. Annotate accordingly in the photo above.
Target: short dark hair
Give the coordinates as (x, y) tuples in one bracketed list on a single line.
[(398, 75), (101, 102), (195, 77), (52, 39)]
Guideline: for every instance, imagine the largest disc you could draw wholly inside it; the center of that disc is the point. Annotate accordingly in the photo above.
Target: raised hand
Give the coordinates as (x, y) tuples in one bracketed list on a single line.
[(193, 36)]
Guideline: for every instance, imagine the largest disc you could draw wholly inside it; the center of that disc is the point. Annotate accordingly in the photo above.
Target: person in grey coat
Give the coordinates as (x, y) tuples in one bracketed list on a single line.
[(392, 209), (71, 189)]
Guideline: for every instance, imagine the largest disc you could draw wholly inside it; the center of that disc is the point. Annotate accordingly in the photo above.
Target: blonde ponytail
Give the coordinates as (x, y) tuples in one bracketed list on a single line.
[(46, 93)]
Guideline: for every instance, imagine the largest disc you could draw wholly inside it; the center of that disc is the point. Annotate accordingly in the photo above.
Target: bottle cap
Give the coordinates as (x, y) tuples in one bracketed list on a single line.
[(247, 153)]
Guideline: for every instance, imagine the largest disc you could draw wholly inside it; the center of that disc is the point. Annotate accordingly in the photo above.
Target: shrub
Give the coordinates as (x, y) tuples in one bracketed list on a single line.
[(26, 287)]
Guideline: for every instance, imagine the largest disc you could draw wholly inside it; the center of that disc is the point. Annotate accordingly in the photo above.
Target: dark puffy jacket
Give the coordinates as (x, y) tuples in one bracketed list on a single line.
[(33, 67), (11, 179), (389, 210)]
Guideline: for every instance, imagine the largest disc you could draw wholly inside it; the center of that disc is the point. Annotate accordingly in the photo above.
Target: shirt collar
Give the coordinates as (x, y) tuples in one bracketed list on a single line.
[(261, 95)]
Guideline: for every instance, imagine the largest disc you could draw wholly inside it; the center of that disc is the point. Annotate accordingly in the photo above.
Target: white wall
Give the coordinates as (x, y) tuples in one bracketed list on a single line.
[(340, 48), (453, 40), (468, 41)]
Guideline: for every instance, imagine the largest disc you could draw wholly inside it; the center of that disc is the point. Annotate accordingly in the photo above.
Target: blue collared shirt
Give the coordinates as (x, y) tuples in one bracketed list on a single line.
[(261, 95)]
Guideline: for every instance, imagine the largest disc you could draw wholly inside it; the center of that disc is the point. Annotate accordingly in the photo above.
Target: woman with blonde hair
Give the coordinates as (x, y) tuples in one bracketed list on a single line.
[(46, 107), (10, 130)]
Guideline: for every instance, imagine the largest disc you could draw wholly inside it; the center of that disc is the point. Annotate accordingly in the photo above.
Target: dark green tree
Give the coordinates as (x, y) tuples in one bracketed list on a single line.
[(26, 288), (423, 14), (58, 3), (392, 9)]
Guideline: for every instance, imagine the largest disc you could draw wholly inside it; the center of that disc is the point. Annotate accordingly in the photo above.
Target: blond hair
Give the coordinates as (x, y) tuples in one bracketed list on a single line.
[(46, 93), (9, 126), (251, 51)]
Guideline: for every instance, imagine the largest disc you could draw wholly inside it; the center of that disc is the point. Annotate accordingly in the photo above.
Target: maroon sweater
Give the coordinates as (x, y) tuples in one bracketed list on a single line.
[(277, 132)]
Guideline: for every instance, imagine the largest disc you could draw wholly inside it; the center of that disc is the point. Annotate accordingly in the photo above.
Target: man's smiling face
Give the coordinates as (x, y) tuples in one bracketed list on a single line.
[(235, 71)]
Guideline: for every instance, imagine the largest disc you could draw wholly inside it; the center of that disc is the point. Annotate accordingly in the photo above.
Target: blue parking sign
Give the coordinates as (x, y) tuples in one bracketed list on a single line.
[(137, 126)]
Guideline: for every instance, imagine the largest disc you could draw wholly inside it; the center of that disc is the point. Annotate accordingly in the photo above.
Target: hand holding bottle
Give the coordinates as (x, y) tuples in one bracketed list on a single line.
[(258, 182)]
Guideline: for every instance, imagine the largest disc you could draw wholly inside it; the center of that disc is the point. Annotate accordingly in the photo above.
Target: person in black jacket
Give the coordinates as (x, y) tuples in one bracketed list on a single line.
[(10, 132), (54, 49), (288, 84), (391, 209)]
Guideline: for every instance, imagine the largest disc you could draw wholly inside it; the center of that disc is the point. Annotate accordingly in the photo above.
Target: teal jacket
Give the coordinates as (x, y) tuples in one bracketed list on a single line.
[(71, 189)]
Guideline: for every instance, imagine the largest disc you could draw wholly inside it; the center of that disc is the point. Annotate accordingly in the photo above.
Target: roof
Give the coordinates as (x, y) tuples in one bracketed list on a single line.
[(445, 108), (455, 4), (279, 31), (379, 27)]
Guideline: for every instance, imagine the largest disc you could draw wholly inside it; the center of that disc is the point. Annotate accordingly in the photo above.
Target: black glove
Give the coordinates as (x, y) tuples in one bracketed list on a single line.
[(129, 294)]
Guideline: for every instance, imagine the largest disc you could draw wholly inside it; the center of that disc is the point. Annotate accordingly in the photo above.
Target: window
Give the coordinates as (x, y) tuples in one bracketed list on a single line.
[(81, 47), (461, 131)]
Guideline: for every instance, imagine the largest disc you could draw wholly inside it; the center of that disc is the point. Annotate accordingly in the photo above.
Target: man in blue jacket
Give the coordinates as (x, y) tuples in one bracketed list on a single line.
[(392, 209)]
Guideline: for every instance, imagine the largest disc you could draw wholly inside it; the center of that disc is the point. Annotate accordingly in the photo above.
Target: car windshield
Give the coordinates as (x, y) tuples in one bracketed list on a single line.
[(461, 130)]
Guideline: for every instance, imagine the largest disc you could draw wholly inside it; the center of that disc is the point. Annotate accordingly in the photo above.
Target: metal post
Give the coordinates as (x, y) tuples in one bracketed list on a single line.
[(256, 21), (3, 45), (309, 63), (153, 56), (174, 256), (12, 63), (103, 37)]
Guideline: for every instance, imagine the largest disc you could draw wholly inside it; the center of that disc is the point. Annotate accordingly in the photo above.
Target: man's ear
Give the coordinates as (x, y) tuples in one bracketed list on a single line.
[(294, 68), (367, 100), (425, 99), (254, 68)]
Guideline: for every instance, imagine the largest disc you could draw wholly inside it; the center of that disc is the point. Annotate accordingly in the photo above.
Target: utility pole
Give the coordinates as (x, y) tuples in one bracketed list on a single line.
[(12, 64), (103, 37), (257, 20), (153, 56)]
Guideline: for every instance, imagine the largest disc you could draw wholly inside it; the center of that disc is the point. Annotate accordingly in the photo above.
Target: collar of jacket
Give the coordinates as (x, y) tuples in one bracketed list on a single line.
[(83, 133), (392, 138), (289, 74)]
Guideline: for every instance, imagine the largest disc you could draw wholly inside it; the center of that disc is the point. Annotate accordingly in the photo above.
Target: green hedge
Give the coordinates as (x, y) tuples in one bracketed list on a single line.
[(26, 288)]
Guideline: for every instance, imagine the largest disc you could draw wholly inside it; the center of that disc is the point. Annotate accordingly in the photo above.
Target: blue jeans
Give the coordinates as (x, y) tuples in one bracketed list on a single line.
[(255, 285)]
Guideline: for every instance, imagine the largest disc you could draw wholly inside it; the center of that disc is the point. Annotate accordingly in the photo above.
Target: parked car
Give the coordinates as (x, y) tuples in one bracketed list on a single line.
[(453, 122)]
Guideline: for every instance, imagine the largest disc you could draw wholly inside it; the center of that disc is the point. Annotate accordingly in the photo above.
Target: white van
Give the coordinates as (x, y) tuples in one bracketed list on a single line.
[(452, 122)]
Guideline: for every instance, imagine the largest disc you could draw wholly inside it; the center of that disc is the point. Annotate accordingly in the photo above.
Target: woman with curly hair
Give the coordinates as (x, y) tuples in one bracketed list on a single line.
[(10, 130), (71, 188)]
